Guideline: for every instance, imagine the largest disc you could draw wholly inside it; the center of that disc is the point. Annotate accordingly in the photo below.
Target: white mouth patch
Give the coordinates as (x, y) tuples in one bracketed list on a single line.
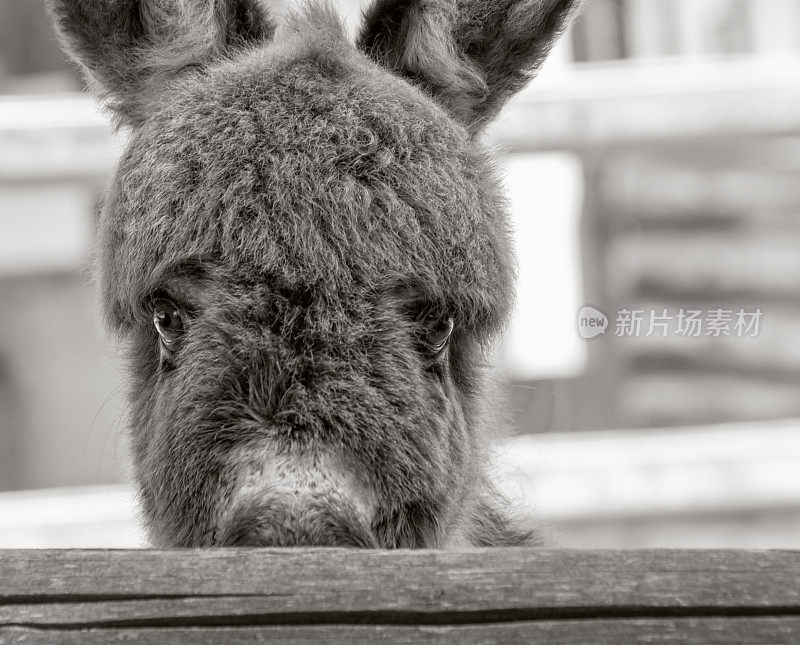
[(298, 478)]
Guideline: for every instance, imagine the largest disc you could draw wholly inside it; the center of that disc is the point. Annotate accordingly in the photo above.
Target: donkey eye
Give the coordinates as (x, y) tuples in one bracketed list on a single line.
[(439, 335), (168, 320)]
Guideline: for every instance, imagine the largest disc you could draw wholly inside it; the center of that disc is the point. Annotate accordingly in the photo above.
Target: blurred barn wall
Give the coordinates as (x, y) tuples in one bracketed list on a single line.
[(691, 164)]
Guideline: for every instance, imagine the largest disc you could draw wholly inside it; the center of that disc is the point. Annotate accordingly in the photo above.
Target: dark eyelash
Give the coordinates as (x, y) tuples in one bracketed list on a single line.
[(186, 307)]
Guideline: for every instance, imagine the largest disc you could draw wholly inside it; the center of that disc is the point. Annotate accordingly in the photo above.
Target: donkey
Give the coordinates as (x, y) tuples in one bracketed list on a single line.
[(306, 252)]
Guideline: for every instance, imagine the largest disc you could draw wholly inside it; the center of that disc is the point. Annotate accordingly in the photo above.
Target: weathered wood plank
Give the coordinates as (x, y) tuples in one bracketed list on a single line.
[(259, 610), (348, 596), (421, 582), (703, 631)]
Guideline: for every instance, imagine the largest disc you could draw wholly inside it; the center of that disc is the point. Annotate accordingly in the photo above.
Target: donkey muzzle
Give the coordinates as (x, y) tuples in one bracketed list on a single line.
[(276, 521), (296, 500)]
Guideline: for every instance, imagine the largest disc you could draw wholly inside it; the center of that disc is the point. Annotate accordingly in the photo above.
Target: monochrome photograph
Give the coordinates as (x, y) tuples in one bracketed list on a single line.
[(450, 321)]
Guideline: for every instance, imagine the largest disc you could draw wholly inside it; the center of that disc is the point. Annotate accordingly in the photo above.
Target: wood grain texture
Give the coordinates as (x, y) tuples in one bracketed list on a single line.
[(700, 631), (463, 580), (336, 595)]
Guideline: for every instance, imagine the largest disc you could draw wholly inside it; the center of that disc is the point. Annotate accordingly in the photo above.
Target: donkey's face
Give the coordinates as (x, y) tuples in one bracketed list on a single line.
[(305, 246)]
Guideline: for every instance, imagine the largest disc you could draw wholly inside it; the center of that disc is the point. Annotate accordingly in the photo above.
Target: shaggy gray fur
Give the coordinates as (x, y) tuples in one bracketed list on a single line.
[(314, 208)]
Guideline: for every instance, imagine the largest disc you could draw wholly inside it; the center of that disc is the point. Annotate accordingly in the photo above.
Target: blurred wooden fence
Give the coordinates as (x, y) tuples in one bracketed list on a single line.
[(703, 216), (729, 486), (614, 29), (692, 202), (588, 109)]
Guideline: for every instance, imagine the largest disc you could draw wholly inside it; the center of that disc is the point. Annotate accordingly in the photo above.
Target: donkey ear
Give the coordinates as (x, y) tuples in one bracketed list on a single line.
[(472, 55), (130, 49)]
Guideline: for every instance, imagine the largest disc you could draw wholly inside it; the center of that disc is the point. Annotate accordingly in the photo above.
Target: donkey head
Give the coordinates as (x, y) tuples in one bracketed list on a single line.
[(306, 252)]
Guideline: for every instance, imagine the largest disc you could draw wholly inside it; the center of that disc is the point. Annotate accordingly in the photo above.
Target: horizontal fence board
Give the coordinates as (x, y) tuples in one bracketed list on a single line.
[(468, 582), (650, 477), (677, 478), (600, 105), (759, 264), (658, 477), (653, 399), (772, 354), (56, 138), (258, 610), (648, 191), (777, 154), (669, 630), (66, 138)]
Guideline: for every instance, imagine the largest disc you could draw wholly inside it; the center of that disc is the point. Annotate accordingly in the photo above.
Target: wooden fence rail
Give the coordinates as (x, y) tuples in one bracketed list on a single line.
[(346, 596), (65, 138)]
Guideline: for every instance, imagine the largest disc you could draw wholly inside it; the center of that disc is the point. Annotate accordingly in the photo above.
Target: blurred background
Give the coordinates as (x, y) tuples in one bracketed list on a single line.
[(654, 176)]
